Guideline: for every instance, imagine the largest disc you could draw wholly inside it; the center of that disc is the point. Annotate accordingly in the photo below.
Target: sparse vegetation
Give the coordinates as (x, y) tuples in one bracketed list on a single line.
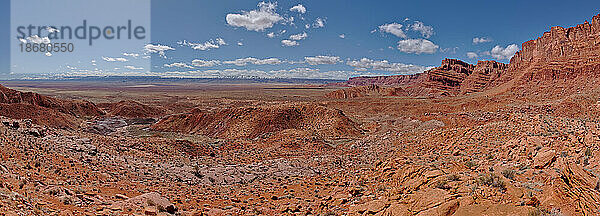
[(509, 174), (492, 180), (454, 177), (442, 185), (471, 164), (535, 212)]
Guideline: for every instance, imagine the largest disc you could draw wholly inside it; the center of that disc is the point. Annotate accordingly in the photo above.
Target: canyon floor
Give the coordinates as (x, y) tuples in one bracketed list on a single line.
[(275, 149)]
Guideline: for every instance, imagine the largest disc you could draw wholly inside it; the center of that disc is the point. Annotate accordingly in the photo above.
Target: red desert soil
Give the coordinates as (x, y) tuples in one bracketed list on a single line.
[(485, 139)]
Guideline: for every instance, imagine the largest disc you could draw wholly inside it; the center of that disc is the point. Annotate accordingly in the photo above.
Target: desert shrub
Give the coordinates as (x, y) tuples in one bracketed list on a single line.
[(442, 185), (471, 164), (454, 177), (492, 180), (535, 212), (509, 174)]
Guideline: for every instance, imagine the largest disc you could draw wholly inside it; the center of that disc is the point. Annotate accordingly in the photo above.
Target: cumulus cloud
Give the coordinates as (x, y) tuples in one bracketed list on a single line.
[(298, 36), (289, 43), (393, 28), (342, 36), (211, 44), (135, 55), (205, 63), (417, 46), (478, 40), (273, 34), (133, 67), (319, 60), (384, 65), (160, 49), (319, 23), (426, 31), (255, 61), (178, 64), (37, 39), (52, 30), (472, 55), (256, 20), (299, 8), (109, 59), (502, 53)]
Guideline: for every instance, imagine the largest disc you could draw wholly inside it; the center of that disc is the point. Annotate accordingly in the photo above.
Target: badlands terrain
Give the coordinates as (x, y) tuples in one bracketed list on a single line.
[(460, 139)]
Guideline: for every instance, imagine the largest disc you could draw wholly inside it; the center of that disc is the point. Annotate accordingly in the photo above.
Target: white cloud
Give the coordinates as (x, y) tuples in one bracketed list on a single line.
[(289, 43), (318, 60), (109, 59), (178, 64), (52, 30), (135, 55), (298, 36), (211, 44), (160, 49), (38, 40), (478, 40), (319, 23), (299, 8), (255, 61), (393, 28), (305, 73), (271, 35), (239, 43), (256, 20), (205, 63), (426, 31), (365, 64), (133, 67), (342, 36), (501, 53), (417, 46), (472, 55)]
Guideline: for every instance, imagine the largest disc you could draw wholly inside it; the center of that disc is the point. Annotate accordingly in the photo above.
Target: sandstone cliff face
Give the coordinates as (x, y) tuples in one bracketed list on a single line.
[(364, 91), (453, 77), (560, 55), (484, 73), (394, 80)]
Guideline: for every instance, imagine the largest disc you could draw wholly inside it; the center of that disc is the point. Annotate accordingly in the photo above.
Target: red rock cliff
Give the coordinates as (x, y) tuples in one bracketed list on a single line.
[(560, 54)]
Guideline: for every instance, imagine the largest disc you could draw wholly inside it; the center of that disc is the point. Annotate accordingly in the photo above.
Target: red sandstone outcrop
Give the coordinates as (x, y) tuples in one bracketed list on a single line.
[(395, 80), (364, 91), (44, 110), (453, 77), (565, 58), (483, 75), (132, 109), (253, 122)]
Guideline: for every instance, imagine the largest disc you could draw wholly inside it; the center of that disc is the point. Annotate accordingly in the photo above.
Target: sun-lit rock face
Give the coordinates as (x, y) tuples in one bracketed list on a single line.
[(562, 54)]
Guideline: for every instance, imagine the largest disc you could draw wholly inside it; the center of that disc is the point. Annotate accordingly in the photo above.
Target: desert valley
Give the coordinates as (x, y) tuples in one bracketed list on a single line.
[(487, 139)]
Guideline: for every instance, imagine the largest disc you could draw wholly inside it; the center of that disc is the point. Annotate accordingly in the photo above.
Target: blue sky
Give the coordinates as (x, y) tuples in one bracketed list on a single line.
[(343, 39)]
